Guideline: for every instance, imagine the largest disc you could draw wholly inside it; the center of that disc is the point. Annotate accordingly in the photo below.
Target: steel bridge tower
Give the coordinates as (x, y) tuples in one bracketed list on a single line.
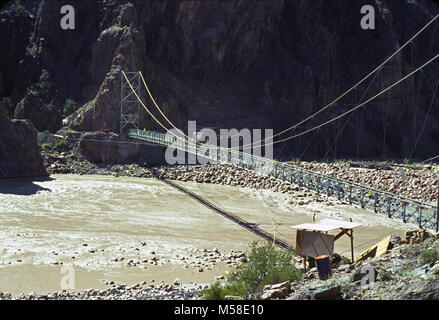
[(129, 104)]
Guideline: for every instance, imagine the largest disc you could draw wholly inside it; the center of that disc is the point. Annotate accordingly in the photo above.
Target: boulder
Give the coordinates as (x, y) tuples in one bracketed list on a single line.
[(435, 269), (286, 285), (20, 154), (276, 291), (280, 293), (331, 292)]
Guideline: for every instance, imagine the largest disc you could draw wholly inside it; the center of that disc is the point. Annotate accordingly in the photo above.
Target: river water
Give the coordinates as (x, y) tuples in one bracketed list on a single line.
[(88, 221)]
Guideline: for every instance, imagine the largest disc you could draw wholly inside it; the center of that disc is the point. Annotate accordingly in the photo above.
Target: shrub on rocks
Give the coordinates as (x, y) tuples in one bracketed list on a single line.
[(219, 291), (266, 265), (413, 250), (428, 256)]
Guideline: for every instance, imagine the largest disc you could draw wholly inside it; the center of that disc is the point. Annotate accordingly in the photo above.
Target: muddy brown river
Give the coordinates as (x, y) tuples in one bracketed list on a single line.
[(90, 222)]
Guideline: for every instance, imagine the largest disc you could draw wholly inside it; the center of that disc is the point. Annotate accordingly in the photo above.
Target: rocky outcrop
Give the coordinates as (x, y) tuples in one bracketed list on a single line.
[(39, 105), (19, 151), (119, 47), (16, 22), (111, 148)]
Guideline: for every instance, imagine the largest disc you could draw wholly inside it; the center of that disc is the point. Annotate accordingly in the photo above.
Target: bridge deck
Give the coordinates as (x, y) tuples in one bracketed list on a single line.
[(394, 206)]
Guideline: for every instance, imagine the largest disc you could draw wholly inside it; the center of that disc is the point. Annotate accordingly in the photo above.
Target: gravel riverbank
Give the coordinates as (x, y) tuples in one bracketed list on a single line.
[(414, 182), (200, 260)]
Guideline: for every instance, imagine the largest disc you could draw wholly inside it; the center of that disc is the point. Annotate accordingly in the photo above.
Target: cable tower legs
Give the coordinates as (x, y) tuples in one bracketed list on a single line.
[(129, 104)]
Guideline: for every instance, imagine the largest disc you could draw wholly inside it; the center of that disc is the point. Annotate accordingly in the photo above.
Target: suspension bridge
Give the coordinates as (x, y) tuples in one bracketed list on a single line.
[(394, 206), (424, 215)]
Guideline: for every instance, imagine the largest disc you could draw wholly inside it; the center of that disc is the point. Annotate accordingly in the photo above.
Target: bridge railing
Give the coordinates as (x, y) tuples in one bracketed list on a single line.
[(408, 210)]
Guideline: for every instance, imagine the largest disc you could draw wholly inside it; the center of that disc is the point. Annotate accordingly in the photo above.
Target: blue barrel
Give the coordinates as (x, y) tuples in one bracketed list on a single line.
[(323, 267)]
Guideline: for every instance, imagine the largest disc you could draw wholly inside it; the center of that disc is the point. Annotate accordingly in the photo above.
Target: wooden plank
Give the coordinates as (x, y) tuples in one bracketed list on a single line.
[(315, 227), (382, 246), (368, 253), (376, 250), (340, 224)]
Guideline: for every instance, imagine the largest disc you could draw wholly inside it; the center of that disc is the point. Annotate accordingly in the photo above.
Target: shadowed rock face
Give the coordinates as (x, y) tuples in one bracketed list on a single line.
[(226, 64), (19, 151), (110, 148)]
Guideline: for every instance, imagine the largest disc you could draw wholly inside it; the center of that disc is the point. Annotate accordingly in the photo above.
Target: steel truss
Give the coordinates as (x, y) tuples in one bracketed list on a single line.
[(409, 211)]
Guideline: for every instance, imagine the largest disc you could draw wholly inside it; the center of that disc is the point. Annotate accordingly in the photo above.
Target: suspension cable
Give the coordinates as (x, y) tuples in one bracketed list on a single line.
[(314, 128), (356, 85), (308, 118), (357, 107)]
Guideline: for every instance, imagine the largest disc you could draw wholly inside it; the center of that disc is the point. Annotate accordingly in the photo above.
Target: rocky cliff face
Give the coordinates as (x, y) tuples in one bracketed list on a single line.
[(19, 151), (226, 64)]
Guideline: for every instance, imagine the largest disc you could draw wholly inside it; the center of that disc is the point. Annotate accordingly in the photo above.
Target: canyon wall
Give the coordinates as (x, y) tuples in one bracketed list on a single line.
[(230, 64)]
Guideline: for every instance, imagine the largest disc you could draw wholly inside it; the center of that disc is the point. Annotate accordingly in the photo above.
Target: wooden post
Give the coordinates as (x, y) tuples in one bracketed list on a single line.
[(404, 207), (361, 200), (352, 242), (388, 208), (437, 214), (304, 264), (352, 245), (350, 194), (375, 203)]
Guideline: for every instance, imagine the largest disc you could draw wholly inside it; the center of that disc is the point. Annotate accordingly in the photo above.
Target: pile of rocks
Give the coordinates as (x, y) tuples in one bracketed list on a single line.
[(140, 291), (207, 259), (199, 259), (70, 162), (226, 175), (414, 182)]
